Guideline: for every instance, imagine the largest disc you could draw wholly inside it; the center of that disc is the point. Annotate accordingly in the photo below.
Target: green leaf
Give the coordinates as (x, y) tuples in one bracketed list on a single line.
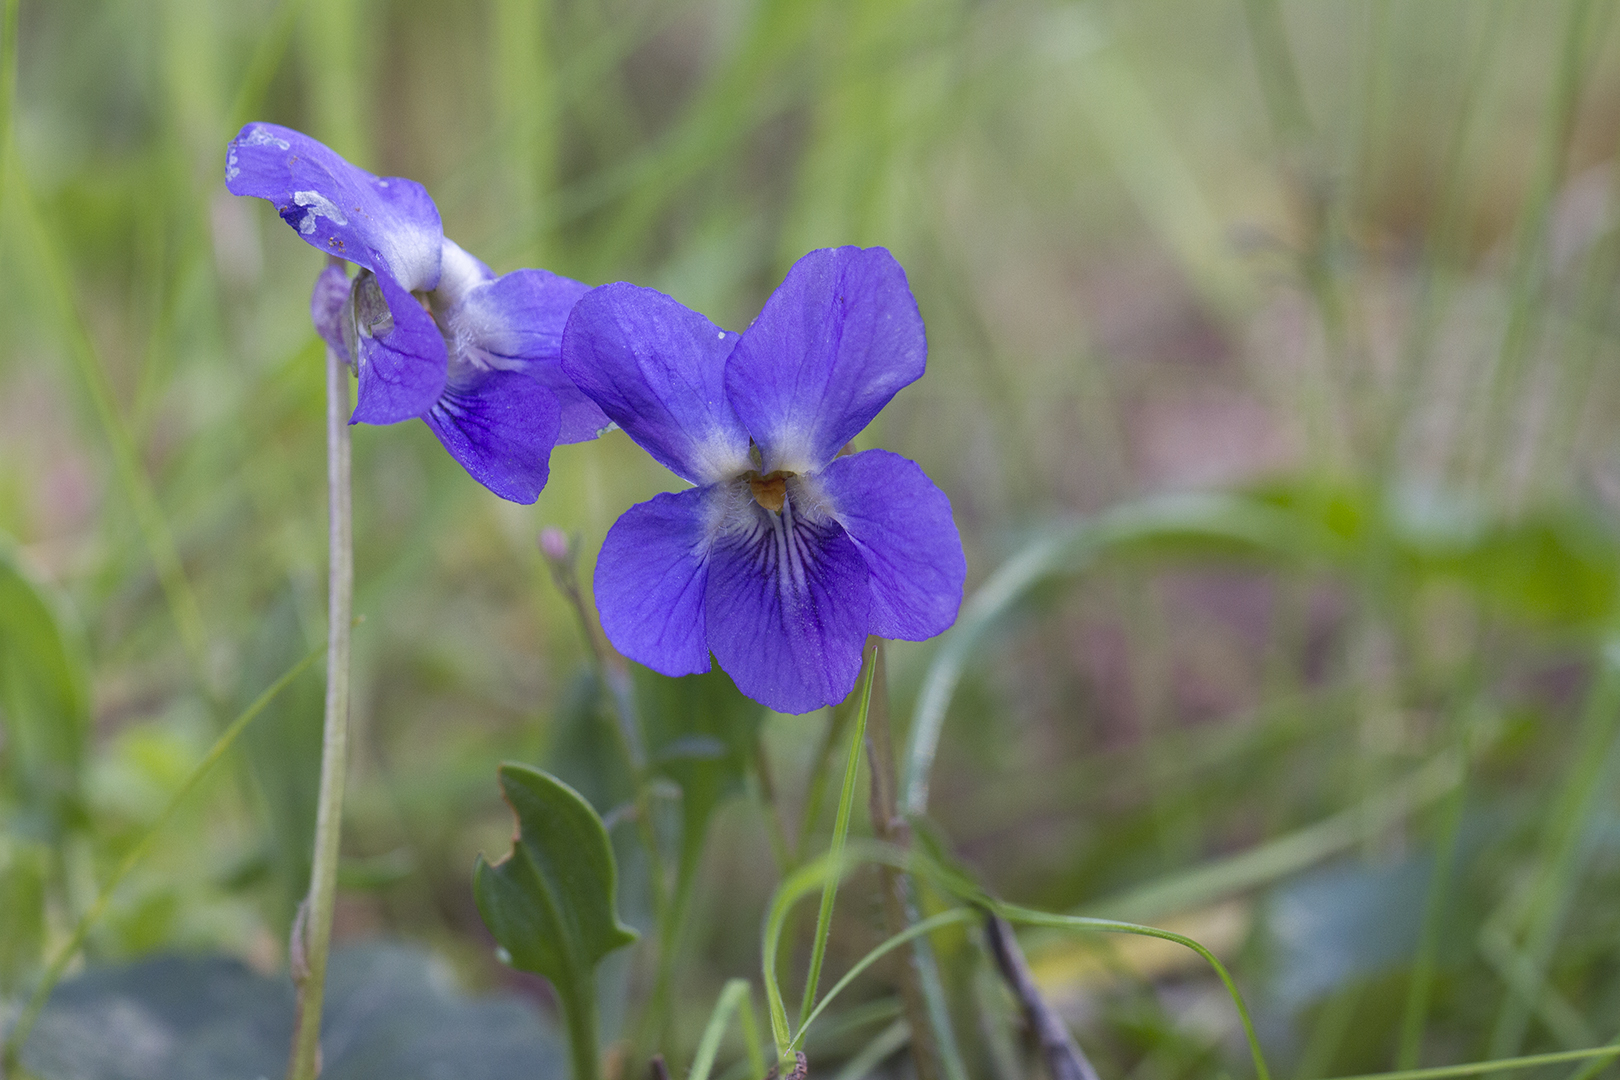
[(44, 704), (550, 901), (700, 733)]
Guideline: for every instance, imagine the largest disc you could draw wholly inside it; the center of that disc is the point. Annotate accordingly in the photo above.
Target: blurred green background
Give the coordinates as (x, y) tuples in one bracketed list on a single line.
[(1350, 264)]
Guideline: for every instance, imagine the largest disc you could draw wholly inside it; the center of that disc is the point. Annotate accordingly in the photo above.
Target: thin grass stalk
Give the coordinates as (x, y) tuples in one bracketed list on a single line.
[(953, 917), (734, 997), (312, 932), (1595, 1054)]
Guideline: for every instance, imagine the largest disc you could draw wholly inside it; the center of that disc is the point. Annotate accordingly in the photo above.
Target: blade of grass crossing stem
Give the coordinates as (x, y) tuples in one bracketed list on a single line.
[(81, 931), (1596, 1065), (1602, 1055), (1013, 913), (797, 885), (735, 996), (846, 803), (928, 925)]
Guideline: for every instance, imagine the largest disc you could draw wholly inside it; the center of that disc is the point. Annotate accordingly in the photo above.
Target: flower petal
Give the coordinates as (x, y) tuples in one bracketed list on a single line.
[(836, 340), (787, 604), (402, 354), (386, 225), (657, 369), (328, 308), (651, 578), (902, 524), (502, 432), (515, 323)]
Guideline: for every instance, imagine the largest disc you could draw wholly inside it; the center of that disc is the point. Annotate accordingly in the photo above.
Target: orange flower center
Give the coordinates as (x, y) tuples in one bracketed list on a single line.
[(769, 491)]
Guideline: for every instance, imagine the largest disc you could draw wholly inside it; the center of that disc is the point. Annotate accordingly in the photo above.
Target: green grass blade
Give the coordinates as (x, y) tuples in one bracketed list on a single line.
[(846, 802), (1073, 549), (733, 996), (1599, 1055), (1015, 914), (928, 925)]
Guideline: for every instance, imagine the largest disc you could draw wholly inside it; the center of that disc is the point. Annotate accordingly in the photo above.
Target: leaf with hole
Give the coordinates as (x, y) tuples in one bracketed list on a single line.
[(550, 901)]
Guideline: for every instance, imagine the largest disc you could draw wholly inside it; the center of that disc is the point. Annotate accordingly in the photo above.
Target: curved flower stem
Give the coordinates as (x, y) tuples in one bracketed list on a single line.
[(312, 932)]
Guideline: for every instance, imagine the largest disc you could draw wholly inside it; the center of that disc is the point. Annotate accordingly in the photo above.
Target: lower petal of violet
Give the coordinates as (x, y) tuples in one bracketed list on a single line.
[(402, 359), (651, 577), (902, 524), (787, 605), (501, 432)]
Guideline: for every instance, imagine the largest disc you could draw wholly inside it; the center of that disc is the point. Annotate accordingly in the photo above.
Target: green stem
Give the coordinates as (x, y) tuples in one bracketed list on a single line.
[(835, 854), (315, 924), (579, 1010)]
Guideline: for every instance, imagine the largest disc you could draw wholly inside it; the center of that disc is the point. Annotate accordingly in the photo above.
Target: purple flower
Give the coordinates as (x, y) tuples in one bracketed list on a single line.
[(786, 554), (430, 331)]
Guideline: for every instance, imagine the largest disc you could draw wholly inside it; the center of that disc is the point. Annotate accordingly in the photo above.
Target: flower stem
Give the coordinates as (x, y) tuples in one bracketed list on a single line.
[(312, 932)]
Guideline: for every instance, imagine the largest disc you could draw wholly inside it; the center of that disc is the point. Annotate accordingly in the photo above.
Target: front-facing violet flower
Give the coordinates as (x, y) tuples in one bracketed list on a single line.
[(787, 553), (430, 331)]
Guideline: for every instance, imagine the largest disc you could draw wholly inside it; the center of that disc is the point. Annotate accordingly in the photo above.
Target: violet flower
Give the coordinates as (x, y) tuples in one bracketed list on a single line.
[(430, 331), (786, 554)]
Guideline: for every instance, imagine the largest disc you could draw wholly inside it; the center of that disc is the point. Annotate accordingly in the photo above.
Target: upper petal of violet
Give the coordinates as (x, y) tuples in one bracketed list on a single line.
[(515, 323), (658, 370), (836, 340), (902, 524), (389, 226)]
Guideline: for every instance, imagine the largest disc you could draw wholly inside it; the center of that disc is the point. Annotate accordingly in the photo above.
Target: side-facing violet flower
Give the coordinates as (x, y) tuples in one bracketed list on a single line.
[(786, 554), (430, 330)]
